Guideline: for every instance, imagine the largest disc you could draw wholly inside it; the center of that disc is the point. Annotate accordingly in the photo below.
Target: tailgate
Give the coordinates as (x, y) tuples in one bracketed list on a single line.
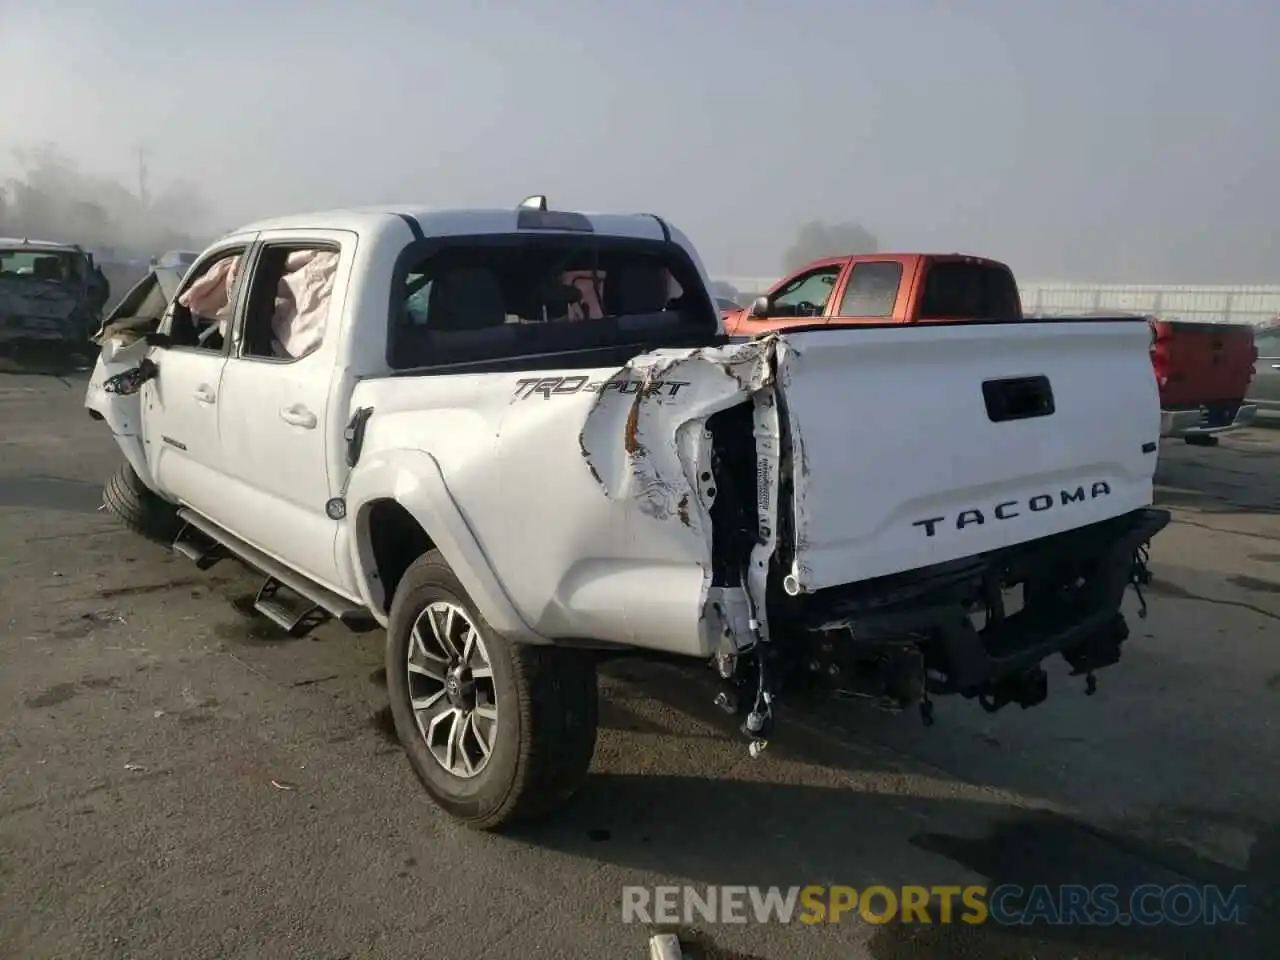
[(1203, 362), (915, 445)]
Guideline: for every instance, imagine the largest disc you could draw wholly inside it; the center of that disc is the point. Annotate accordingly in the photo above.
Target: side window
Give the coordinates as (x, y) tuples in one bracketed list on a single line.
[(965, 291), (418, 295), (806, 295), (287, 309), (872, 289), (202, 312), (1268, 344)]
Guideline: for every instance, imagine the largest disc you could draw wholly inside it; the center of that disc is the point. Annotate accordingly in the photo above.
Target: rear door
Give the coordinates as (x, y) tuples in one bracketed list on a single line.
[(280, 436), (874, 291)]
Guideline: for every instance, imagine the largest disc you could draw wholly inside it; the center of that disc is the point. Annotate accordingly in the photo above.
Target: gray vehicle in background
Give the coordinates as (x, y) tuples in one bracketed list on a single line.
[(1264, 391), (51, 294)]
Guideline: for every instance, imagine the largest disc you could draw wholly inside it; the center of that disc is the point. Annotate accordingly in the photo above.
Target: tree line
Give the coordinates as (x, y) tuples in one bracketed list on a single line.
[(814, 240), (52, 198)]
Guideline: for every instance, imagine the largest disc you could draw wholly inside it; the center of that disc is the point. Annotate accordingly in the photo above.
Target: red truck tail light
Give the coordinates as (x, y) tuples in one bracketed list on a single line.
[(1159, 355)]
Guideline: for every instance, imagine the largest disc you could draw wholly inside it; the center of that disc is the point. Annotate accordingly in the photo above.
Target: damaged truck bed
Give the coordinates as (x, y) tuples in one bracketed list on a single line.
[(520, 441)]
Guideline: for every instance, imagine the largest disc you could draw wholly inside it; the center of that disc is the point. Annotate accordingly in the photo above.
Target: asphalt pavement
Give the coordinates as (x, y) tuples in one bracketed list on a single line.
[(178, 779)]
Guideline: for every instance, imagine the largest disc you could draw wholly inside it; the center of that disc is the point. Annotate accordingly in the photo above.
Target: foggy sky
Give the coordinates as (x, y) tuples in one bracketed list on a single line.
[(1115, 141)]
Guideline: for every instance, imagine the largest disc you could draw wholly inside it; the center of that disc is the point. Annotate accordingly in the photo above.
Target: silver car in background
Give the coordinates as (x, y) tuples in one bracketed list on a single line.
[(1264, 391)]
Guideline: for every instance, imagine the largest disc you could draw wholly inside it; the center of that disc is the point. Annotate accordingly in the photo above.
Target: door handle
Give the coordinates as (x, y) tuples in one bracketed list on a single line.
[(1275, 366), (298, 416), (204, 394)]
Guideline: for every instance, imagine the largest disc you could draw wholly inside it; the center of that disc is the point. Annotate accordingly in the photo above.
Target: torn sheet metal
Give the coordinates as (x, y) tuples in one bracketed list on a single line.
[(645, 442), (635, 439), (140, 310)]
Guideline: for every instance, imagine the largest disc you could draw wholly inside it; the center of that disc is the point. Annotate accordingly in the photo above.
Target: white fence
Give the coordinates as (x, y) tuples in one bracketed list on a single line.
[(1217, 304), (1221, 304)]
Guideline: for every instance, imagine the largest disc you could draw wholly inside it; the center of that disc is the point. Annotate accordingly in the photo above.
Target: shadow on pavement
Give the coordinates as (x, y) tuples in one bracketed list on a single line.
[(727, 831), (1238, 476), (47, 362), (717, 830)]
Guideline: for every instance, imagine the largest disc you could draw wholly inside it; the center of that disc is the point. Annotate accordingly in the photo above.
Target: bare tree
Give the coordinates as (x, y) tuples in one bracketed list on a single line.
[(817, 239), (53, 199)]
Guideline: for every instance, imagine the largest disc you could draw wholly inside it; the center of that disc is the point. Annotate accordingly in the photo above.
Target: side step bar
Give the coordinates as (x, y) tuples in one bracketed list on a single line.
[(318, 603), (193, 544)]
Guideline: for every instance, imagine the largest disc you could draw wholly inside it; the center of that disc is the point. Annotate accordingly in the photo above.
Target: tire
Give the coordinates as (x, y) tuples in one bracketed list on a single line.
[(546, 699), (138, 507)]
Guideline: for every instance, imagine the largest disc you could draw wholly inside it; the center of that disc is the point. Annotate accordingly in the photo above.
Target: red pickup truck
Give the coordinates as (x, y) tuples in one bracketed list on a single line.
[(1202, 369)]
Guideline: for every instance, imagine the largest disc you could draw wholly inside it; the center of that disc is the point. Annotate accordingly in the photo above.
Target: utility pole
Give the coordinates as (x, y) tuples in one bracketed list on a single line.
[(142, 177)]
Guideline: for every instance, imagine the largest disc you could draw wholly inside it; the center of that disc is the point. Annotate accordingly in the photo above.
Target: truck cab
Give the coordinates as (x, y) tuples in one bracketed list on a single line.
[(884, 288)]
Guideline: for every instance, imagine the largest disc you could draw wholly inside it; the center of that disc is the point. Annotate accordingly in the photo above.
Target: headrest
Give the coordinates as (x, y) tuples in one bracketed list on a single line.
[(466, 298), (636, 289), (46, 268)]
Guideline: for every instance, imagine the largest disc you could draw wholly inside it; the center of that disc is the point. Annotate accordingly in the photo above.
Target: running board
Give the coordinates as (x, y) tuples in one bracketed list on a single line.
[(295, 617), (198, 547), (319, 601)]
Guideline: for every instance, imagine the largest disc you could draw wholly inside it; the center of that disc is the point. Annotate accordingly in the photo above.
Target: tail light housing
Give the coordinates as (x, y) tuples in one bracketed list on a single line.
[(1159, 359)]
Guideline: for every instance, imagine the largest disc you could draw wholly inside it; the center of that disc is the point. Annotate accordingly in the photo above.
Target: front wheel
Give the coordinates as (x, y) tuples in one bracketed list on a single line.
[(497, 732), (138, 507)]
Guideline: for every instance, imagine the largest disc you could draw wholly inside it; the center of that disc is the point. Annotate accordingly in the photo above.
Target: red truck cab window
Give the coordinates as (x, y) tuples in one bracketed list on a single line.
[(807, 294), (872, 289), (957, 290)]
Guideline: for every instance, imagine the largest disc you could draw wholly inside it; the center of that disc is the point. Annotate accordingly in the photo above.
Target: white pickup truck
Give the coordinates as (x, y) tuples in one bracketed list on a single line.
[(520, 441)]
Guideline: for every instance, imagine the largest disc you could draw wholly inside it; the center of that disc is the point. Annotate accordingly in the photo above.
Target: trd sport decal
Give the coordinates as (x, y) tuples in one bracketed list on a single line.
[(548, 387)]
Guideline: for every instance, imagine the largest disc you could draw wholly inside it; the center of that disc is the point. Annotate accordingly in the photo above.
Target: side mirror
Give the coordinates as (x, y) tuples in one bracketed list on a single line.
[(131, 381), (759, 308)]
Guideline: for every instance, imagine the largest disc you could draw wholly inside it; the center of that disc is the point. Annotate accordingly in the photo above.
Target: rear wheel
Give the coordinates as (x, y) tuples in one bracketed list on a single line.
[(139, 508), (497, 732)]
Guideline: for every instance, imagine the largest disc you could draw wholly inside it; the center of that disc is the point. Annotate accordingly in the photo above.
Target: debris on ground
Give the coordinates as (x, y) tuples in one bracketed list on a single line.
[(665, 946)]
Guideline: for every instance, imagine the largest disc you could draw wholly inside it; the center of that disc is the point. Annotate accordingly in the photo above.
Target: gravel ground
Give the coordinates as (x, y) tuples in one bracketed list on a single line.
[(177, 779)]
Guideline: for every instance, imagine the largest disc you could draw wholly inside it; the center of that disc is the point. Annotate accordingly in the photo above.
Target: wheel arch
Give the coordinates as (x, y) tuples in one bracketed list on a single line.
[(401, 507)]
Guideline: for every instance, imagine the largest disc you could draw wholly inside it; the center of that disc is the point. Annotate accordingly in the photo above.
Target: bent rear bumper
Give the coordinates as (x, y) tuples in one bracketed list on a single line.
[(1203, 422), (1073, 586)]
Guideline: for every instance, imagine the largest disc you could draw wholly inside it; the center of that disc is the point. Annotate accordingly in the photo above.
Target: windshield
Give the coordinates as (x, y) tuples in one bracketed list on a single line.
[(59, 266), (483, 298)]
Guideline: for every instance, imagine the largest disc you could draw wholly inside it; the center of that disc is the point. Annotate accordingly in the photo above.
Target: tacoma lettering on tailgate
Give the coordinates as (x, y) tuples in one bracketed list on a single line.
[(1010, 509)]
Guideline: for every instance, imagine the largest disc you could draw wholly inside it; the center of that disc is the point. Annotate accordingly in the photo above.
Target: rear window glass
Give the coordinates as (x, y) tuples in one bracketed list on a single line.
[(872, 289), (968, 291), (493, 298), (59, 265)]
